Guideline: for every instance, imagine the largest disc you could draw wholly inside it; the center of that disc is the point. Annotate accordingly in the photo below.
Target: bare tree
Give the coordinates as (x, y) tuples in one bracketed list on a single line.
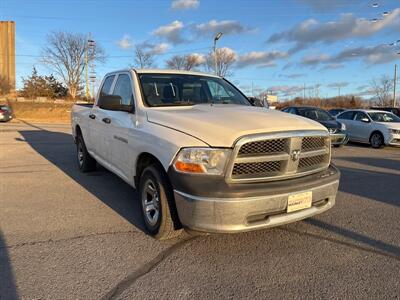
[(224, 58), (64, 54), (143, 59), (176, 62), (185, 62), (381, 88)]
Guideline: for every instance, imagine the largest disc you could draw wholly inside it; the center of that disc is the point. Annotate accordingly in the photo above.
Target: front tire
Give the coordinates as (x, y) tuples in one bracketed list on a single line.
[(376, 140), (156, 198), (86, 162)]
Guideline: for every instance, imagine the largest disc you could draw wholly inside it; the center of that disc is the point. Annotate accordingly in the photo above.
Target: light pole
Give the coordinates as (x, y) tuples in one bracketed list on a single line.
[(216, 38)]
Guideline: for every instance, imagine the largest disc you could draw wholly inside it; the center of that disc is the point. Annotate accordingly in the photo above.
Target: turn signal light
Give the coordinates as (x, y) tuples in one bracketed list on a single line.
[(188, 167)]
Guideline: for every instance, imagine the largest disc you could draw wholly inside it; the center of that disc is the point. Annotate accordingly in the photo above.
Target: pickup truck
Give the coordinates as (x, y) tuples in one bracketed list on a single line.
[(201, 157)]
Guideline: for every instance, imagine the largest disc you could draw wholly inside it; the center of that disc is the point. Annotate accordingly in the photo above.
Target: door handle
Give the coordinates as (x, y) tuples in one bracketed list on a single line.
[(92, 116), (107, 120)]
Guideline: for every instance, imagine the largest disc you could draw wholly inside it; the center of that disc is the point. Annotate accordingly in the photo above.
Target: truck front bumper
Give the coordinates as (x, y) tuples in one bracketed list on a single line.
[(245, 213)]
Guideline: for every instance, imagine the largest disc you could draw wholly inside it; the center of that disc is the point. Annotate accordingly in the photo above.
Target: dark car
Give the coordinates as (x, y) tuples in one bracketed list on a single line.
[(5, 113), (393, 110), (335, 111), (337, 130)]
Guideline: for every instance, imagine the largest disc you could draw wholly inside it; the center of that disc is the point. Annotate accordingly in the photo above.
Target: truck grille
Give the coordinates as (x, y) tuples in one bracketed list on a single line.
[(279, 156)]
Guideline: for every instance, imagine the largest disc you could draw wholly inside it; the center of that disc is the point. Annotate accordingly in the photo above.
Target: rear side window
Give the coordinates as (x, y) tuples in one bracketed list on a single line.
[(347, 115), (105, 89)]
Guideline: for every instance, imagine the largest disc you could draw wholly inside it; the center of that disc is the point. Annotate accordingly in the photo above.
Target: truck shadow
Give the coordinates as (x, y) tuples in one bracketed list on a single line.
[(59, 149), (8, 289)]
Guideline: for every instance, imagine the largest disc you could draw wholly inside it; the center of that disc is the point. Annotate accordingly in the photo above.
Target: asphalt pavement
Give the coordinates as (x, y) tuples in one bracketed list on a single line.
[(68, 235)]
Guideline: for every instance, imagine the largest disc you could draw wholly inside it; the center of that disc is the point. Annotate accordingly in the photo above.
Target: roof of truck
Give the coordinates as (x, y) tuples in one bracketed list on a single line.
[(158, 71)]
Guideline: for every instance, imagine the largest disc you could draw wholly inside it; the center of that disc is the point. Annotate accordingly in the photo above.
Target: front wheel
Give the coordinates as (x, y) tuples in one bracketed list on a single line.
[(376, 140), (156, 197)]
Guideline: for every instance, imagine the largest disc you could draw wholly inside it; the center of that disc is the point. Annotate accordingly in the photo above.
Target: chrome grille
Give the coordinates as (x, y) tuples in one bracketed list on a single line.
[(312, 143), (279, 156), (263, 147), (266, 167)]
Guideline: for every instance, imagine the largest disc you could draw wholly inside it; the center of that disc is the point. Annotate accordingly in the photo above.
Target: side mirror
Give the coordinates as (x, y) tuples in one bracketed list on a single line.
[(113, 102), (365, 120)]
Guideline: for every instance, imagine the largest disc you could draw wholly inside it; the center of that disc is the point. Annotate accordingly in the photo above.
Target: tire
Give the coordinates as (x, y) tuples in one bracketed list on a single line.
[(376, 140), (156, 201), (86, 163)]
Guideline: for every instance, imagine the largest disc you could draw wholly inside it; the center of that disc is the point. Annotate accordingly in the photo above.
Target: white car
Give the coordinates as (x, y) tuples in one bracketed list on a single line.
[(374, 127), (201, 156)]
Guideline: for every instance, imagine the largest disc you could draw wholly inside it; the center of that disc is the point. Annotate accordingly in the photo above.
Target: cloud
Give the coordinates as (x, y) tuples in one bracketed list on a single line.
[(371, 55), (336, 85), (293, 76), (155, 49), (333, 66), (286, 90), (260, 59), (313, 60), (171, 32), (185, 4), (125, 42), (348, 26), (225, 26), (324, 6)]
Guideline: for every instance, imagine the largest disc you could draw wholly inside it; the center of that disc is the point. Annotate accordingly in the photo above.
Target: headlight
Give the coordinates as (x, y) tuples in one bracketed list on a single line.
[(343, 127), (394, 131), (202, 160)]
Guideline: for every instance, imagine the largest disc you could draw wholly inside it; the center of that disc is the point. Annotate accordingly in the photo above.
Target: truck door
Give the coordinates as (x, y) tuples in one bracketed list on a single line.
[(122, 128), (98, 128)]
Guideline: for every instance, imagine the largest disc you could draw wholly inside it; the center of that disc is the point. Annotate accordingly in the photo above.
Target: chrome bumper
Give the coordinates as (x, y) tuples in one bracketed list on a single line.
[(225, 215)]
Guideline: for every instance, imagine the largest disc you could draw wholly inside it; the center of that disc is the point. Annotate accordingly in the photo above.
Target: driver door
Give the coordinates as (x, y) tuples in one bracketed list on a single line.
[(361, 128)]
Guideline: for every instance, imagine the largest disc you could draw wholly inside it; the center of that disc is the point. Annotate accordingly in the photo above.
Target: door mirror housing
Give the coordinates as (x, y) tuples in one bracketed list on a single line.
[(365, 120), (113, 102)]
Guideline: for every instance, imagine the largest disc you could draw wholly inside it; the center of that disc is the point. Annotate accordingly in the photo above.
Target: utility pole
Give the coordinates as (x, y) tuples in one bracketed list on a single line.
[(87, 87), (339, 91), (304, 91), (394, 85), (216, 38)]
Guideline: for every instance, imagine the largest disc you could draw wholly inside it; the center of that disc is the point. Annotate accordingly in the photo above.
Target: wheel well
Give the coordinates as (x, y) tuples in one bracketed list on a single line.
[(145, 159), (78, 131), (376, 131)]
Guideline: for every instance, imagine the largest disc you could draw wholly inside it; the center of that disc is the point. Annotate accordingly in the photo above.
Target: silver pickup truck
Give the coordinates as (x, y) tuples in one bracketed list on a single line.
[(201, 156)]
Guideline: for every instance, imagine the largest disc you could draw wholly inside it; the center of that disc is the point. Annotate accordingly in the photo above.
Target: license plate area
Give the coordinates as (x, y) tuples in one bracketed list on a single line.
[(299, 201)]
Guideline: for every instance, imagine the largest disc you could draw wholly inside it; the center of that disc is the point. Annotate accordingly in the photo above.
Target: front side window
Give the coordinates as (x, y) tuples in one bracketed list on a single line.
[(360, 116), (384, 117), (123, 88), (181, 89)]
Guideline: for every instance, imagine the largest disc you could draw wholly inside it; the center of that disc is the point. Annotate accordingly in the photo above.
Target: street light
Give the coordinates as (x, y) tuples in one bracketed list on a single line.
[(216, 38)]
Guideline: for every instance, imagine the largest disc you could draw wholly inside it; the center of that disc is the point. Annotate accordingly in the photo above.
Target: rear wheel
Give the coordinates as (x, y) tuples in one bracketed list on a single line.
[(156, 197), (376, 140), (86, 163)]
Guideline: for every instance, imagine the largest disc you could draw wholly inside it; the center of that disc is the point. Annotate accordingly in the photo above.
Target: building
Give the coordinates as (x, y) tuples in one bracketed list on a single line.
[(7, 58)]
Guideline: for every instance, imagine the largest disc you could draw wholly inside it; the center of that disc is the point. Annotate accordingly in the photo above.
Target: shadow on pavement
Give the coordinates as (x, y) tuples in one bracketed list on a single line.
[(8, 290), (59, 149), (386, 163), (356, 236), (378, 186)]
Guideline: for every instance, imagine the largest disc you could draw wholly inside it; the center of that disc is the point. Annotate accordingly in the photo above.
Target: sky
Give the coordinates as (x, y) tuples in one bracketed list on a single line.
[(285, 46)]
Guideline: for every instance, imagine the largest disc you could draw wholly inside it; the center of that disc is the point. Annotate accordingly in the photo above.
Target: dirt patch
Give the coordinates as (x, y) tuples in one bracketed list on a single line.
[(42, 112)]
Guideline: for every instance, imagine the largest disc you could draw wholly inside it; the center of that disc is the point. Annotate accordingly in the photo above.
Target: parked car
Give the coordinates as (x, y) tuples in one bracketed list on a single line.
[(337, 130), (258, 102), (5, 113), (201, 156), (393, 110), (335, 111), (375, 127)]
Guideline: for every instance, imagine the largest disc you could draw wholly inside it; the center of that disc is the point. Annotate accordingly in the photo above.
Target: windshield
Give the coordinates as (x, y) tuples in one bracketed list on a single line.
[(383, 117), (180, 89), (315, 114)]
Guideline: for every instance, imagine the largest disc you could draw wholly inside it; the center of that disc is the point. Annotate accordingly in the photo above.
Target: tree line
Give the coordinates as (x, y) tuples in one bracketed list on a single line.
[(66, 55)]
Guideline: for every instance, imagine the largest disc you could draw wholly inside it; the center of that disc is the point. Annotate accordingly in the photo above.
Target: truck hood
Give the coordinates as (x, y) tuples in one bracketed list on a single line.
[(220, 125)]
